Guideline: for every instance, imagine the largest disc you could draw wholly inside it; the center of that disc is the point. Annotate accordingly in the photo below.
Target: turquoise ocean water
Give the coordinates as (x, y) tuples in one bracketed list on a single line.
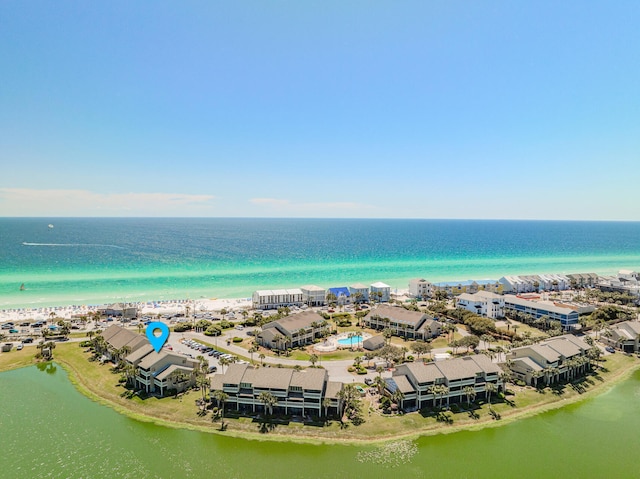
[(100, 260)]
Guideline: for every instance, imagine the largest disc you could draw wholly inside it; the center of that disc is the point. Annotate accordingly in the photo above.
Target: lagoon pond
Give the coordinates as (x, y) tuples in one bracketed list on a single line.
[(49, 429)]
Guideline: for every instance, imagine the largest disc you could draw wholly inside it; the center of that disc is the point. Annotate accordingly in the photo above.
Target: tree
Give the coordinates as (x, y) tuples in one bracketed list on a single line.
[(262, 356), (326, 404), (313, 359), (380, 383), (252, 349), (486, 338), (278, 339), (470, 392), (221, 397), (506, 377), (350, 398), (269, 400), (397, 398), (442, 392), (387, 333), (352, 335), (489, 389), (203, 383), (129, 372), (224, 362), (331, 299), (47, 350)]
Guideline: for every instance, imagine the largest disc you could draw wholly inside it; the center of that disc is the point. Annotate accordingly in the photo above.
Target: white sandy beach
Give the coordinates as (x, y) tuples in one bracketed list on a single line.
[(148, 308)]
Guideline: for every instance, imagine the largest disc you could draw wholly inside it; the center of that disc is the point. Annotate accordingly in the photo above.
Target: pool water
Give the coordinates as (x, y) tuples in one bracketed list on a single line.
[(350, 341)]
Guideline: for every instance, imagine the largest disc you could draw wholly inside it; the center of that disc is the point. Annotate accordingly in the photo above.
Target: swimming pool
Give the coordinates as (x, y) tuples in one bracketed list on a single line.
[(350, 341)]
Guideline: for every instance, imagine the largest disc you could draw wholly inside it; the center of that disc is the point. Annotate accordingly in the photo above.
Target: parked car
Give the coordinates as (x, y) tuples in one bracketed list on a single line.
[(212, 369), (19, 347), (609, 349), (27, 340)]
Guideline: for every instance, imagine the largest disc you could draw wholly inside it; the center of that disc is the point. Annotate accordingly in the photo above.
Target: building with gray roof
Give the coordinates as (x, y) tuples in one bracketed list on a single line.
[(296, 392), (402, 322), (557, 358), (419, 381), (160, 372), (624, 336), (293, 330)]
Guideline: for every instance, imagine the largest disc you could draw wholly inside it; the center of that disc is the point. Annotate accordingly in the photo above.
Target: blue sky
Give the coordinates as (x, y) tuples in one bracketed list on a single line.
[(320, 109)]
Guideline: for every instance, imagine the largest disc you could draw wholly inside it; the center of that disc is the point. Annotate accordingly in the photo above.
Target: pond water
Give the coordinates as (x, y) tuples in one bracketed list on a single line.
[(50, 430)]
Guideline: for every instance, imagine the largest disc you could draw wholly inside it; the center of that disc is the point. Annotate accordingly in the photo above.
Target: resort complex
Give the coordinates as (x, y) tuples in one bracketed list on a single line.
[(346, 352)]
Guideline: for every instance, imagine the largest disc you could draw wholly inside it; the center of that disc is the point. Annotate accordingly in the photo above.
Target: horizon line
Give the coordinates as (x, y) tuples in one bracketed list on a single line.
[(330, 218)]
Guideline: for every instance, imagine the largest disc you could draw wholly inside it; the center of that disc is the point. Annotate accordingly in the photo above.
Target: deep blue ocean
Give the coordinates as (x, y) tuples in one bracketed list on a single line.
[(99, 260)]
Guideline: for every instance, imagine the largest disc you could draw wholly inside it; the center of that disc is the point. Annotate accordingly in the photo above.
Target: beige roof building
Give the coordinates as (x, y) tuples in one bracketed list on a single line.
[(297, 329), (297, 392)]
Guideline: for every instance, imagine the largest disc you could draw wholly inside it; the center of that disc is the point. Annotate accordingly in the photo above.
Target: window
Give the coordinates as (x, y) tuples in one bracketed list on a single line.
[(245, 385), (295, 389)]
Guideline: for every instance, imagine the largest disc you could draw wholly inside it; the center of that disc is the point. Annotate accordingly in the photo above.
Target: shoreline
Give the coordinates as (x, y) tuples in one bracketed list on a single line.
[(397, 284), (623, 372)]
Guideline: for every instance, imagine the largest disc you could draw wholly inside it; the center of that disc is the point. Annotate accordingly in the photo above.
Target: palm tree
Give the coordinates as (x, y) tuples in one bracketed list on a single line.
[(387, 333), (313, 359), (252, 349), (130, 371), (221, 397), (49, 346), (486, 338), (331, 299), (405, 350), (489, 388), (536, 375), (350, 397), (277, 339), (380, 383), (470, 392), (203, 383), (326, 404), (433, 390), (261, 356), (123, 352), (269, 400), (224, 362), (397, 398), (506, 376)]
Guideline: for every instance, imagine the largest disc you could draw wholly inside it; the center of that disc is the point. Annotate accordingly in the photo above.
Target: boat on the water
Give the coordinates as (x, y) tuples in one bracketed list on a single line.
[(50, 226)]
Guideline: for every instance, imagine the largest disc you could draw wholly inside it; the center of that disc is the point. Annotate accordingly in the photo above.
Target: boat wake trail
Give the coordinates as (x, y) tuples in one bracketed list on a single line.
[(74, 245)]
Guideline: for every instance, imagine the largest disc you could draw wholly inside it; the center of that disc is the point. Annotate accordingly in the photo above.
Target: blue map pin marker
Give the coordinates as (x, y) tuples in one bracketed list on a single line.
[(157, 341)]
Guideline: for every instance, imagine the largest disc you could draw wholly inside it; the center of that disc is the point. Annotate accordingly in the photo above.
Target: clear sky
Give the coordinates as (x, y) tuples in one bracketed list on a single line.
[(413, 109)]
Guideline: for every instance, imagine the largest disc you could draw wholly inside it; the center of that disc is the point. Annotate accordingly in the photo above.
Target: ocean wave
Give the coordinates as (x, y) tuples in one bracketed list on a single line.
[(74, 245)]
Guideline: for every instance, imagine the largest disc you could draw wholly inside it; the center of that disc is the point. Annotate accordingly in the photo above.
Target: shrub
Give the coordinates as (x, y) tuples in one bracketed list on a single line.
[(362, 370), (237, 340), (182, 327), (214, 330), (351, 369)]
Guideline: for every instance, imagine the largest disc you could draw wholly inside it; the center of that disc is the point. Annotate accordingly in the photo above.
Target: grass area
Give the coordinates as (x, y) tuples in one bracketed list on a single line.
[(522, 328), (17, 359)]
